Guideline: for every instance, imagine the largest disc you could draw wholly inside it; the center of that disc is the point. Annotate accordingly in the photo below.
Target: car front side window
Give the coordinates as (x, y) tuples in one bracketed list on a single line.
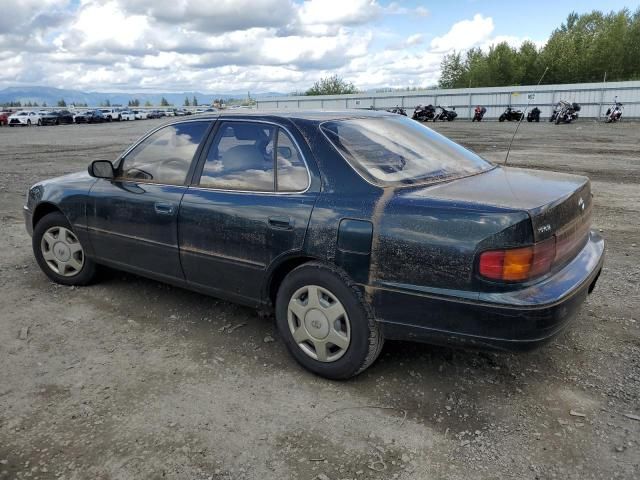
[(164, 156)]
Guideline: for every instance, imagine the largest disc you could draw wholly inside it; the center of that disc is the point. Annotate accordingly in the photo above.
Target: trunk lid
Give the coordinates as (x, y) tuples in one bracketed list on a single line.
[(558, 204)]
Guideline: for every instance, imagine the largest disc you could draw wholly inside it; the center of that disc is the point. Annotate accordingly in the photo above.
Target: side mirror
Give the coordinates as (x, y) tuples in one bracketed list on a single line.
[(102, 169)]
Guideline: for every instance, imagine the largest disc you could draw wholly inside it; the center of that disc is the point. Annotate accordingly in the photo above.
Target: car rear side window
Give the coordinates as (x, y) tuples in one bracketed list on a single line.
[(395, 150), (292, 173), (166, 155), (242, 157)]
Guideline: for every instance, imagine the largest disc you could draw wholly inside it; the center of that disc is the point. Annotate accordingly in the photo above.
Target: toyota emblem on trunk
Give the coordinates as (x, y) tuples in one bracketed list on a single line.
[(581, 203)]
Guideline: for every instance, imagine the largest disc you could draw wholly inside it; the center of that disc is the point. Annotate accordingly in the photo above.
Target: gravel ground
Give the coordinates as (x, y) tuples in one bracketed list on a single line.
[(133, 379)]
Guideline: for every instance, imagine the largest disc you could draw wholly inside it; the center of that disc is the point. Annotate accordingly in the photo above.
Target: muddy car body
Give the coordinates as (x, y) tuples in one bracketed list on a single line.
[(369, 227)]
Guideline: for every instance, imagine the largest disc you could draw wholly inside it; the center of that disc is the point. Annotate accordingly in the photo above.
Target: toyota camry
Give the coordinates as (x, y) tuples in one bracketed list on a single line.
[(352, 227)]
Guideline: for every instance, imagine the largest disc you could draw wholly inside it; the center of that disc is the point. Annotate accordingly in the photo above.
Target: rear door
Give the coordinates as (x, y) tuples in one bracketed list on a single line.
[(133, 219), (249, 206)]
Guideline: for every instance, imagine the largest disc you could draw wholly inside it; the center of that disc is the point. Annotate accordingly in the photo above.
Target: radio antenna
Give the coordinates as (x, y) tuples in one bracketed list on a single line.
[(506, 158)]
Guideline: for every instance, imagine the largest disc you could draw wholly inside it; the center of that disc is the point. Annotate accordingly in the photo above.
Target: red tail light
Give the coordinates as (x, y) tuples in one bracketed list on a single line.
[(518, 264)]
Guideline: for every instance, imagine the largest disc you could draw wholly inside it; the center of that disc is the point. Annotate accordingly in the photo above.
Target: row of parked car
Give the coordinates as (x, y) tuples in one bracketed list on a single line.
[(58, 117)]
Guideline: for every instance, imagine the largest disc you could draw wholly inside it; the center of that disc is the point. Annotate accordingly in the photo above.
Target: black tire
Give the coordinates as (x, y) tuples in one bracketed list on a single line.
[(501, 118), (366, 337), (538, 120), (558, 120), (28, 123), (56, 219)]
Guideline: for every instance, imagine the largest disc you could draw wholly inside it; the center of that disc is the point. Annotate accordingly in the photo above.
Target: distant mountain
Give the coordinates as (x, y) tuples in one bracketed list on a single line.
[(51, 96)]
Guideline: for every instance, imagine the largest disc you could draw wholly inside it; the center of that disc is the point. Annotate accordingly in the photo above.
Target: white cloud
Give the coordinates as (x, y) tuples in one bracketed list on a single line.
[(414, 39), (224, 45), (314, 12), (464, 35)]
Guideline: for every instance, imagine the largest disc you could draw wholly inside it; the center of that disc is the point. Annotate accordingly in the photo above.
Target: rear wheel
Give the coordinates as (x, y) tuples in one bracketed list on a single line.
[(39, 122), (325, 323), (501, 118), (28, 123), (59, 253)]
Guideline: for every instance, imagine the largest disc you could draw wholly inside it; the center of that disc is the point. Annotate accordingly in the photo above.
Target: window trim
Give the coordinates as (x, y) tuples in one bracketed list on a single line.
[(194, 160), (198, 174)]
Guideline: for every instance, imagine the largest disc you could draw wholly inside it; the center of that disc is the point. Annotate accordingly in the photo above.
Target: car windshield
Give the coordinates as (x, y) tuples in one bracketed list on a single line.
[(398, 151)]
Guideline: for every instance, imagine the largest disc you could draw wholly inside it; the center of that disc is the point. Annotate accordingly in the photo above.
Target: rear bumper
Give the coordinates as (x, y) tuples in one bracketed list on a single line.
[(514, 321)]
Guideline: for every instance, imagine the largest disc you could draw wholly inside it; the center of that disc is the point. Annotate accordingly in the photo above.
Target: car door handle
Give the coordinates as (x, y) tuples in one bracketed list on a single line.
[(281, 222), (162, 208)]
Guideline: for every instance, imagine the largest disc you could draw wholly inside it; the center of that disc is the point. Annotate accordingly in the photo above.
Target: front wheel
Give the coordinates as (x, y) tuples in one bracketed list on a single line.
[(501, 118), (326, 323), (59, 253)]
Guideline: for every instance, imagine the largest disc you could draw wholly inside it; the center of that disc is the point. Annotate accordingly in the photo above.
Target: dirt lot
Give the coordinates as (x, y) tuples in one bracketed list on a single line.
[(132, 379)]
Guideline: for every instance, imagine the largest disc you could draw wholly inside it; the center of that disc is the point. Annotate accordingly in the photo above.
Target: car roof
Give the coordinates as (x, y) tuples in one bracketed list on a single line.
[(312, 115)]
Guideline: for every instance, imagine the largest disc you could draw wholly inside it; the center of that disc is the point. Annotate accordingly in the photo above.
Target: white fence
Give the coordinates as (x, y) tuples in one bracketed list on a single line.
[(594, 98)]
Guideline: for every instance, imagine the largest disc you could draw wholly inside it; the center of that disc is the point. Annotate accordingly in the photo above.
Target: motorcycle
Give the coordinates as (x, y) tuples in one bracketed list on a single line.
[(533, 115), (511, 114), (614, 113), (478, 113), (423, 114), (565, 112), (445, 115), (398, 110)]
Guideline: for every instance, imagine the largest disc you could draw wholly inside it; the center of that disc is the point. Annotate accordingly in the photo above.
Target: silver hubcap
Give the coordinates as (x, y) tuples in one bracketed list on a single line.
[(319, 323), (62, 251)]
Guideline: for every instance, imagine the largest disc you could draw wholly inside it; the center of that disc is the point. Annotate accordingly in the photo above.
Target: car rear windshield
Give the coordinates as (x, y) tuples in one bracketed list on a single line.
[(398, 151)]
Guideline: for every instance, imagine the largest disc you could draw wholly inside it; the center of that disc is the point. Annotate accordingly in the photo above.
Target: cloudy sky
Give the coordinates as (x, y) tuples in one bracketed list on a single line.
[(255, 45)]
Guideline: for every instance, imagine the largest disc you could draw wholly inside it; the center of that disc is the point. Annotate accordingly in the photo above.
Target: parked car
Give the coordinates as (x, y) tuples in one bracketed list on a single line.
[(95, 116), (80, 116), (155, 114), (111, 114), (127, 115), (57, 117), (376, 228), (4, 118), (25, 118), (141, 114)]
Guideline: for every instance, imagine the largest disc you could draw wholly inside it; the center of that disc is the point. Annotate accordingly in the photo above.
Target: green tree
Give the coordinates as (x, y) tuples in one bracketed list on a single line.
[(147, 103), (62, 103), (194, 102), (453, 71), (582, 49), (186, 102), (164, 102), (332, 85)]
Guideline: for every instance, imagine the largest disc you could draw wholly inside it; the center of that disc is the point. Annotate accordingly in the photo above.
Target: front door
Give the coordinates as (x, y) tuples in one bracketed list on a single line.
[(133, 219), (250, 205)]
